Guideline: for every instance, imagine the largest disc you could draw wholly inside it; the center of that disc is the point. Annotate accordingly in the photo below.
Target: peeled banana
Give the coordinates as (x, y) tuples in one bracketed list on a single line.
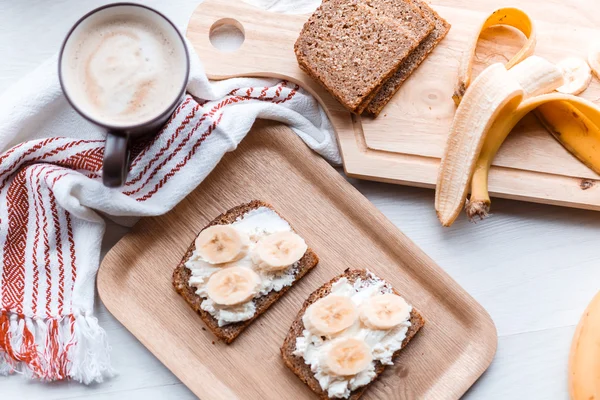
[(491, 91), (577, 130), (584, 359), (574, 122), (536, 76)]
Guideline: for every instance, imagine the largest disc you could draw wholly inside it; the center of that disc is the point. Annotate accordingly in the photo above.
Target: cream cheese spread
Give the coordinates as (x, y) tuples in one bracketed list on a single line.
[(255, 224), (383, 343)]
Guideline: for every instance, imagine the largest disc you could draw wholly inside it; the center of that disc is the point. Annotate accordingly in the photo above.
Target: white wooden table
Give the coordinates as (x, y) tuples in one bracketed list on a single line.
[(533, 267)]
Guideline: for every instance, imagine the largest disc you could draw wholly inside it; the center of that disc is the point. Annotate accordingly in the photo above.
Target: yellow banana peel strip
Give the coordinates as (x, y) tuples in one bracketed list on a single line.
[(573, 121), (504, 16), (584, 358)]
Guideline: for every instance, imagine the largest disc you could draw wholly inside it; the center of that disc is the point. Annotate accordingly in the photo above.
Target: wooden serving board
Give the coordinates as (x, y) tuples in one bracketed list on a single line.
[(345, 230), (403, 145)]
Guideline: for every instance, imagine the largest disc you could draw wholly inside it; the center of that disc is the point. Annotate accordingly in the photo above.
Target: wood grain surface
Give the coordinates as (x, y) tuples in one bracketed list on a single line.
[(405, 143), (452, 350)]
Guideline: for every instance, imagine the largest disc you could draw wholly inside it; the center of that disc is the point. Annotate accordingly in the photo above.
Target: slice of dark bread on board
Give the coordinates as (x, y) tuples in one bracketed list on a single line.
[(351, 51), (420, 25), (412, 62), (303, 371), (181, 277)]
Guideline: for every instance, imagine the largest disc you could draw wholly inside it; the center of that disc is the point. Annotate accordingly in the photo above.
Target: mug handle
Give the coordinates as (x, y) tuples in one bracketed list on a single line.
[(116, 160)]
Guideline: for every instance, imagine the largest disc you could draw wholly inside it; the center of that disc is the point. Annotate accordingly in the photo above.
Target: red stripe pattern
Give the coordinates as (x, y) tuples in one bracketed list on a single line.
[(38, 235)]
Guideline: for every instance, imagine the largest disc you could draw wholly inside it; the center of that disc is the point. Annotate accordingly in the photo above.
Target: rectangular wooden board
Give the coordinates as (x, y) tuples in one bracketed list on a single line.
[(405, 143), (346, 231)]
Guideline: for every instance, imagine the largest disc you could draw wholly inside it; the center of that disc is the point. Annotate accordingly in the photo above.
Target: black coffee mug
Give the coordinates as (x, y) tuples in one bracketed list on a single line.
[(118, 137)]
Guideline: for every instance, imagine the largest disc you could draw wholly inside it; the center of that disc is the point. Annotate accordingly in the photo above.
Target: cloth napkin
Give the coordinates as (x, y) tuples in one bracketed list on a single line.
[(52, 202)]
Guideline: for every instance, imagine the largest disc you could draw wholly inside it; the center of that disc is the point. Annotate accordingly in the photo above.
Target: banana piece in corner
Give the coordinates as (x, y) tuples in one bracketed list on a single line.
[(584, 359)]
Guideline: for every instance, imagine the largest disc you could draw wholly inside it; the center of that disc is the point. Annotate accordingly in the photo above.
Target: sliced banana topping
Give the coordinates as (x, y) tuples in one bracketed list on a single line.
[(577, 74), (220, 244), (384, 311), (233, 285), (279, 250), (331, 314), (347, 356)]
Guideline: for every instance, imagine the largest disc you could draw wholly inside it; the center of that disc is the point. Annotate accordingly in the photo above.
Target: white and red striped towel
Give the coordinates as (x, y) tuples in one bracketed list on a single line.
[(51, 199)]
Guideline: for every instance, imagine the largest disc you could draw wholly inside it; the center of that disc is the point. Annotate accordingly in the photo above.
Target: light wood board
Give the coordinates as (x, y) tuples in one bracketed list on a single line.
[(346, 231), (405, 143)]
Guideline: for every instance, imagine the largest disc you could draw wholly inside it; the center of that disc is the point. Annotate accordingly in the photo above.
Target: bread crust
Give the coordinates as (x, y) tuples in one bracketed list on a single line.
[(351, 51), (302, 370), (389, 88), (181, 276)]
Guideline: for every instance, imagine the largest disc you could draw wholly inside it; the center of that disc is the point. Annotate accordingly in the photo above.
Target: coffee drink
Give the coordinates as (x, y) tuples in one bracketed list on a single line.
[(123, 69)]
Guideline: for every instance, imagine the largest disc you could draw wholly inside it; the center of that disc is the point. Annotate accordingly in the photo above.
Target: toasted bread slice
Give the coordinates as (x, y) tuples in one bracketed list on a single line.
[(302, 370), (351, 50), (412, 62), (181, 277)]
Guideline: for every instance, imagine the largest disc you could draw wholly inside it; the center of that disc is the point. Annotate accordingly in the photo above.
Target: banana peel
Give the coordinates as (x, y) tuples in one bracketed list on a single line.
[(509, 16), (572, 121), (489, 94), (575, 130)]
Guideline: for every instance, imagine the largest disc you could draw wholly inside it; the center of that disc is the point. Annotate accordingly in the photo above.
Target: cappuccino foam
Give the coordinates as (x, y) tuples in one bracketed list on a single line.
[(123, 70)]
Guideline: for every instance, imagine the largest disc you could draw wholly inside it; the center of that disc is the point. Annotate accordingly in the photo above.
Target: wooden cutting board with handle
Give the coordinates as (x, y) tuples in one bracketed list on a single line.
[(403, 145)]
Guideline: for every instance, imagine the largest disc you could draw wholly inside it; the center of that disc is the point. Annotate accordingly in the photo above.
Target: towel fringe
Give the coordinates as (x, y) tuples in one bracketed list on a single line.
[(50, 349)]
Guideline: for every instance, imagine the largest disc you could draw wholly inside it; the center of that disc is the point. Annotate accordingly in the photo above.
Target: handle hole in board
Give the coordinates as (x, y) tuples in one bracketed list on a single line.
[(227, 35)]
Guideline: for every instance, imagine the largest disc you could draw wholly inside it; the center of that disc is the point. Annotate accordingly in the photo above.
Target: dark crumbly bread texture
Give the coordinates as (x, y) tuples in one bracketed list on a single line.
[(351, 51), (405, 10), (410, 64), (181, 276), (297, 364)]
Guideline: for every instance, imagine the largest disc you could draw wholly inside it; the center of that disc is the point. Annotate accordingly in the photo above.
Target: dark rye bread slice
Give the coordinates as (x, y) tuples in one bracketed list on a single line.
[(406, 11), (302, 370), (408, 66), (351, 51), (181, 276)]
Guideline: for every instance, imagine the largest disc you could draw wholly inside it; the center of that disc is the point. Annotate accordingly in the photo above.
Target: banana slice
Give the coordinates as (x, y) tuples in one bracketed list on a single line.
[(233, 285), (594, 58), (577, 74), (384, 311), (220, 244), (280, 250), (347, 356), (331, 314)]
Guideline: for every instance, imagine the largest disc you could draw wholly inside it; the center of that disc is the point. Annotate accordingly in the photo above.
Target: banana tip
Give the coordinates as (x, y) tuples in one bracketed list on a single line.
[(477, 209)]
